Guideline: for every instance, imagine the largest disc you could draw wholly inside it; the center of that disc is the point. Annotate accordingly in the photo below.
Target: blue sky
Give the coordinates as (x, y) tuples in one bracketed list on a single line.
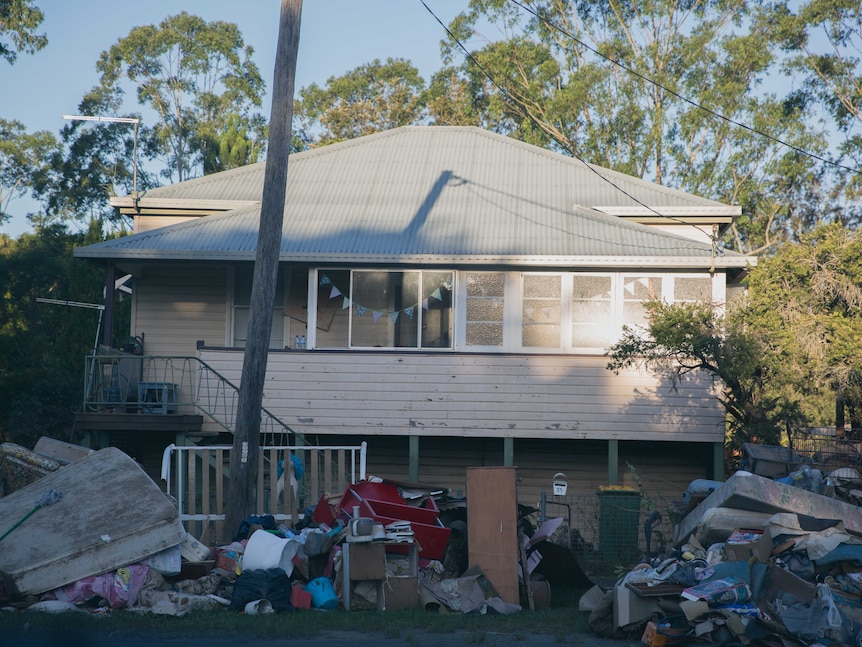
[(336, 36)]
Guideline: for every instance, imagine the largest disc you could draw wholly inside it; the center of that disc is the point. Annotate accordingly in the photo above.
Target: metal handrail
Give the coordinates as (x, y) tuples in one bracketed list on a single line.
[(170, 384)]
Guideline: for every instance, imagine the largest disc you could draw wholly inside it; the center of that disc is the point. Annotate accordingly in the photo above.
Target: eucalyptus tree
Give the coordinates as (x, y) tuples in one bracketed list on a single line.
[(25, 162), (199, 79), (19, 20), (370, 98), (823, 39), (667, 90)]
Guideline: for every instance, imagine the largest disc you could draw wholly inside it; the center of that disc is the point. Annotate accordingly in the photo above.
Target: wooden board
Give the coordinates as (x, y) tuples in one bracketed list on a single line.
[(492, 527)]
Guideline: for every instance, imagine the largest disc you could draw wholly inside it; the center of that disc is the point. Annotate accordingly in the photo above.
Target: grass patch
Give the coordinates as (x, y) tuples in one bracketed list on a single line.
[(561, 620)]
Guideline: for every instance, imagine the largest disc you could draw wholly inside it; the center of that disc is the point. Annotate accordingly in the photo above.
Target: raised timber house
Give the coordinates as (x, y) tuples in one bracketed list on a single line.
[(448, 295)]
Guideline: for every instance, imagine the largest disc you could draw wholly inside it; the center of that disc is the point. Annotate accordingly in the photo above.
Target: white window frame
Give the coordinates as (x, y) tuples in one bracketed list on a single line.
[(513, 307), (277, 311)]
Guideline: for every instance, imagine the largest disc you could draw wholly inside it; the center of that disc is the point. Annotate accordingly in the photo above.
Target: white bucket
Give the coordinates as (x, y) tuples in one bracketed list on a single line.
[(265, 550), (259, 607)]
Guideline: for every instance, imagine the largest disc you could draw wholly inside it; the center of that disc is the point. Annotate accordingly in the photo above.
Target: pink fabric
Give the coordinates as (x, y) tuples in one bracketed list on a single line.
[(119, 588)]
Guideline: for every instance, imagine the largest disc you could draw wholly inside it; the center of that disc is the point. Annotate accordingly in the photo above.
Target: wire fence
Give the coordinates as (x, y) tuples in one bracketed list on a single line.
[(614, 530)]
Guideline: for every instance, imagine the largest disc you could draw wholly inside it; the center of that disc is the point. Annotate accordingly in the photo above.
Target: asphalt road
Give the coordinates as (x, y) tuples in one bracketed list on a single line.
[(347, 639)]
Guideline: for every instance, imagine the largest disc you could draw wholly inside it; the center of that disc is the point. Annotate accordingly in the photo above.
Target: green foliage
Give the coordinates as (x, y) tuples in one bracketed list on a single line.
[(199, 79), (24, 162), (97, 162), (687, 337), (557, 92), (43, 345), (784, 352), (19, 20), (807, 300), (824, 39), (370, 98)]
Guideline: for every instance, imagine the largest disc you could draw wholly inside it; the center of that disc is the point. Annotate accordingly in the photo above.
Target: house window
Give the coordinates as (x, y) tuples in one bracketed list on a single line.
[(636, 291), (592, 311), (515, 312), (541, 311), (384, 309), (241, 305), (689, 289), (485, 308)]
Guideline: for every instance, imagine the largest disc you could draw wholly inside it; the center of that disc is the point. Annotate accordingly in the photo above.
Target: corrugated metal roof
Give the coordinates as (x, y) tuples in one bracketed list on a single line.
[(427, 194)]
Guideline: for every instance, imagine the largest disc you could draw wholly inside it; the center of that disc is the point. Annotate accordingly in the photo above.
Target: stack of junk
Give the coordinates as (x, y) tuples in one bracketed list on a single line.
[(771, 556), (380, 544)]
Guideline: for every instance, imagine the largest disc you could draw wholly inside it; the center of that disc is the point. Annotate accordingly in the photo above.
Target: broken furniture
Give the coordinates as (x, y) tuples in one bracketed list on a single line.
[(492, 527), (367, 562)]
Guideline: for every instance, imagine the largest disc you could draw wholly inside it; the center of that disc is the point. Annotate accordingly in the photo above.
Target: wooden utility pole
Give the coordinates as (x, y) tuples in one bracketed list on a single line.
[(246, 442)]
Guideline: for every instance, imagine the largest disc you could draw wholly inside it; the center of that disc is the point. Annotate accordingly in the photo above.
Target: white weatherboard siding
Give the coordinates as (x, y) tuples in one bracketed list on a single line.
[(177, 305), (446, 394)]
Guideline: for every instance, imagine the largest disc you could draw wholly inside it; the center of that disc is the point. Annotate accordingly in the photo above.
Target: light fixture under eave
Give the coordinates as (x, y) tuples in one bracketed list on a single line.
[(117, 120)]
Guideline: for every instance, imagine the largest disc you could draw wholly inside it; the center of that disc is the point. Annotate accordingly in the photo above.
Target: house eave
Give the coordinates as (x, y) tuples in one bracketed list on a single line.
[(168, 206), (669, 262)]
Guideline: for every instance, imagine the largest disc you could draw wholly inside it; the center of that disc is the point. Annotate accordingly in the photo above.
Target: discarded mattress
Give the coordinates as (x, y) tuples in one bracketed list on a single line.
[(747, 491), (111, 514)]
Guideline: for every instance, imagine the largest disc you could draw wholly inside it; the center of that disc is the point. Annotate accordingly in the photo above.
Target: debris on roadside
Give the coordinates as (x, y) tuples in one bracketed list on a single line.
[(773, 557), (380, 544)]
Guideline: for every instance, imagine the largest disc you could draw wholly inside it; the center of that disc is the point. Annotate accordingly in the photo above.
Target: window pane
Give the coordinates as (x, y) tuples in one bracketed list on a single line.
[(592, 312), (437, 309), (692, 289), (481, 334), (333, 318), (485, 310), (541, 311), (384, 309), (636, 290), (243, 278), (485, 307), (485, 285)]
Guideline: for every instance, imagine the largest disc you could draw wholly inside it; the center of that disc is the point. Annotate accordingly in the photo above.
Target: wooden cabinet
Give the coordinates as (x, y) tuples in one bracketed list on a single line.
[(492, 527)]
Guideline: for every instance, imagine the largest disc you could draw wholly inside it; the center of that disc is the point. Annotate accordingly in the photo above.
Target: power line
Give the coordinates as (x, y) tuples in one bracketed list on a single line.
[(571, 151), (679, 96)]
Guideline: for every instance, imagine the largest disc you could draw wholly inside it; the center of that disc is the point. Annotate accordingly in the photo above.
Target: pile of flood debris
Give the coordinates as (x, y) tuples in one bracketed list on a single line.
[(769, 558), (73, 541)]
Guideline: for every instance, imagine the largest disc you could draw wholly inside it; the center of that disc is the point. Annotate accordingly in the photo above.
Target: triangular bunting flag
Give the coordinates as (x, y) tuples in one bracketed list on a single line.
[(393, 316), (376, 315), (409, 311), (335, 292), (436, 294), (424, 304), (345, 304), (361, 310), (324, 280)]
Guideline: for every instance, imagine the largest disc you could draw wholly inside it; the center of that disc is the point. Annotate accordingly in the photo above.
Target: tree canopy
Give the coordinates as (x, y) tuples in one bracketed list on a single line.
[(25, 160), (784, 352), (19, 20), (199, 79), (370, 98), (667, 91)]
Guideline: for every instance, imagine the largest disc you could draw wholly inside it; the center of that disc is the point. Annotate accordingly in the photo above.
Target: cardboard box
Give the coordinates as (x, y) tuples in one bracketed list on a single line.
[(367, 561), (747, 543), (401, 593)]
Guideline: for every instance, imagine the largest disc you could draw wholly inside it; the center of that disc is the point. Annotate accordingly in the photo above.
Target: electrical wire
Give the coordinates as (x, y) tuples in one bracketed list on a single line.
[(568, 149), (679, 96)]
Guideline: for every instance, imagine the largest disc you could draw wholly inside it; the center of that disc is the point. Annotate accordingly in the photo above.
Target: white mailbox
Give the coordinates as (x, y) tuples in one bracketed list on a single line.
[(561, 485)]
